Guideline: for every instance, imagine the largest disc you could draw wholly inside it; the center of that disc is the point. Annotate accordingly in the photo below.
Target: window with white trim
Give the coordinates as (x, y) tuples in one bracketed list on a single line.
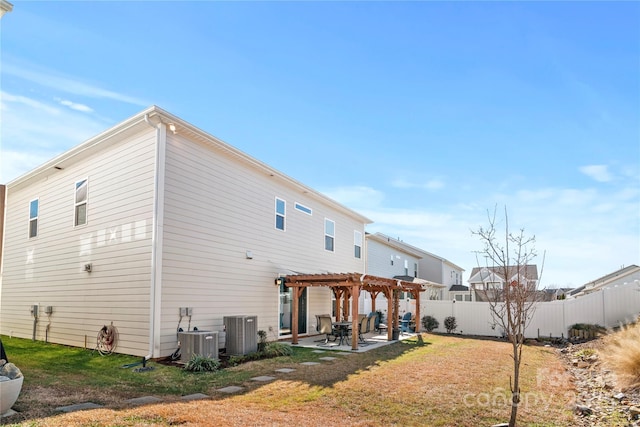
[(415, 269), (357, 244), (281, 206), (33, 218), (329, 234), (303, 208), (406, 267), (81, 197)]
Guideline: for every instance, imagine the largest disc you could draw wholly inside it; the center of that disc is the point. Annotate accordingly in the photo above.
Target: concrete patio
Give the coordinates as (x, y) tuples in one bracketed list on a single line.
[(371, 341)]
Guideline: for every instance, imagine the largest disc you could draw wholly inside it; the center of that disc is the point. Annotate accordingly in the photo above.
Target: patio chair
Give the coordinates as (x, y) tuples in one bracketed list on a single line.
[(326, 328), (379, 326), (318, 316), (404, 322), (372, 323), (363, 328)]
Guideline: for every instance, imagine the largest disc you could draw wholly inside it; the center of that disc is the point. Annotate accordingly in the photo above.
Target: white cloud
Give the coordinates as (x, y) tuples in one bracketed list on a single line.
[(599, 173), (75, 106), (585, 233), (67, 85), (34, 131)]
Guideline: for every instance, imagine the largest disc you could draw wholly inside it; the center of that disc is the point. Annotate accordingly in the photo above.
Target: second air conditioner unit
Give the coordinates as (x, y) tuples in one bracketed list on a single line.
[(242, 334), (202, 343)]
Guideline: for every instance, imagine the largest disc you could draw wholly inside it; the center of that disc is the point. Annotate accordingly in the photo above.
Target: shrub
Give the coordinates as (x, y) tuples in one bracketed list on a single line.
[(199, 363), (450, 324), (276, 349), (430, 323), (236, 360), (262, 340), (623, 354)]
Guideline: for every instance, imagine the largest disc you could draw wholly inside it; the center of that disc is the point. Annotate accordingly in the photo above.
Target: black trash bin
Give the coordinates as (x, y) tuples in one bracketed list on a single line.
[(395, 334)]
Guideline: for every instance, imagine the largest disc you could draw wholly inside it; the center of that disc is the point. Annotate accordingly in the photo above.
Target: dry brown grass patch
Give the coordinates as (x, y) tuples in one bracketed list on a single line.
[(622, 352)]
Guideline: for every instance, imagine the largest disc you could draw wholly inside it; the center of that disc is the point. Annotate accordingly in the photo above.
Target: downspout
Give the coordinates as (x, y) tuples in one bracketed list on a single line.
[(155, 297)]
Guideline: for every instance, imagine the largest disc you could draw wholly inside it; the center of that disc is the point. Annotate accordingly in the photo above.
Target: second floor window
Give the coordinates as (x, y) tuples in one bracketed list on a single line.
[(33, 218), (406, 267), (357, 244), (329, 234), (280, 212), (415, 269), (81, 196)]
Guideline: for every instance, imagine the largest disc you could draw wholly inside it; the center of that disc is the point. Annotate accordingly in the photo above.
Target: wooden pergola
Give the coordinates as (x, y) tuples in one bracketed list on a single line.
[(349, 285)]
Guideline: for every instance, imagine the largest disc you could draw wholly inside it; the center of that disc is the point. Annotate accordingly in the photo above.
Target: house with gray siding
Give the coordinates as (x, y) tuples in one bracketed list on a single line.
[(391, 257), (155, 225)]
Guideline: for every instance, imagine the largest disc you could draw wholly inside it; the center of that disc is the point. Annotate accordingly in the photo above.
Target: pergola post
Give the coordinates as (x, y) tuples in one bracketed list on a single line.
[(338, 293), (355, 325), (417, 297), (294, 316), (389, 294), (345, 304)]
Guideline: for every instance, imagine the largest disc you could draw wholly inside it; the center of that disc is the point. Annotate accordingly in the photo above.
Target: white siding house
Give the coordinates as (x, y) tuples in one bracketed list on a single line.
[(153, 215)]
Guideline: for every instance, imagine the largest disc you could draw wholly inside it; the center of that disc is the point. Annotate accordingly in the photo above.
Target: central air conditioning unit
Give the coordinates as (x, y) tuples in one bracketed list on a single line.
[(203, 343), (242, 334)]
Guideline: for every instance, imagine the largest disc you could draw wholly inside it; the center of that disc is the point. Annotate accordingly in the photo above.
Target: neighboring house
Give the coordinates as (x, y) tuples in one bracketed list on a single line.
[(484, 280), (461, 293), (553, 294), (152, 217), (619, 277), (432, 268), (393, 258)]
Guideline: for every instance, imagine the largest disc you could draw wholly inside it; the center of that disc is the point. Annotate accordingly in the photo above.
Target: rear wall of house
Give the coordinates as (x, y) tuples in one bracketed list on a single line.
[(49, 269), (222, 251)]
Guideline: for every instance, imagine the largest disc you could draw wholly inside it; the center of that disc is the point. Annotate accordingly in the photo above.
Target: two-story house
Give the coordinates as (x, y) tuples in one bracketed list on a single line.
[(154, 225), (393, 258), (484, 281)]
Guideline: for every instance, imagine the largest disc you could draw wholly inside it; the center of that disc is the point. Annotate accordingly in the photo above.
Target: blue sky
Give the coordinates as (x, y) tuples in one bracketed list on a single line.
[(419, 115)]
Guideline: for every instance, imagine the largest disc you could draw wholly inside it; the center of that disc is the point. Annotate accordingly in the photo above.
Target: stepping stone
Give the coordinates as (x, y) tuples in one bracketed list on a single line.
[(310, 363), (143, 400), (285, 370), (230, 389), (327, 358), (194, 396), (79, 407), (263, 378), (318, 351), (344, 354)]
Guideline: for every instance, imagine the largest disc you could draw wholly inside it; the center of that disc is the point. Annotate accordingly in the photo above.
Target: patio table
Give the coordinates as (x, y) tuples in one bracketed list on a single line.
[(343, 327)]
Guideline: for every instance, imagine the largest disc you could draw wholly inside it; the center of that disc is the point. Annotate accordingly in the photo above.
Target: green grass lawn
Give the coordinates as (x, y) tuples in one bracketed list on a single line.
[(443, 381)]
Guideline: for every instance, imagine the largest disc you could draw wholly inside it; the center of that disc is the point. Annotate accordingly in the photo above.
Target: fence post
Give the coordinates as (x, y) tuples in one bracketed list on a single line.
[(604, 314)]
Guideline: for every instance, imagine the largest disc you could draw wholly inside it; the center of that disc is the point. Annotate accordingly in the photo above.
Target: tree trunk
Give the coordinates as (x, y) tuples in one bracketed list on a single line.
[(515, 387)]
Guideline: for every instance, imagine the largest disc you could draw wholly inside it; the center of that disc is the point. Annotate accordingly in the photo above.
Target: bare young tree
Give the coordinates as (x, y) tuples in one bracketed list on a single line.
[(512, 298)]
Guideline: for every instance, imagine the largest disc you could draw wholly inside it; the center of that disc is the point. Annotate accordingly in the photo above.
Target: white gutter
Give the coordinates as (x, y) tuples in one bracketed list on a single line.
[(155, 298)]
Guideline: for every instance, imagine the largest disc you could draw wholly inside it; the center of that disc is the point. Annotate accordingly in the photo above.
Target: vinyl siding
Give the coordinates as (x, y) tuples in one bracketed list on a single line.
[(379, 260), (48, 270), (217, 207), (379, 264)]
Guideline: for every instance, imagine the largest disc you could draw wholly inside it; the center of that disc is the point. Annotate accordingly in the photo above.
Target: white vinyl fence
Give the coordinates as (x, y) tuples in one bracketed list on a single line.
[(609, 307)]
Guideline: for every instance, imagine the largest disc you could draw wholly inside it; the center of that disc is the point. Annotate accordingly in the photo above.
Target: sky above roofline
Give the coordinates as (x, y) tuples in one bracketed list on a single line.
[(422, 116)]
